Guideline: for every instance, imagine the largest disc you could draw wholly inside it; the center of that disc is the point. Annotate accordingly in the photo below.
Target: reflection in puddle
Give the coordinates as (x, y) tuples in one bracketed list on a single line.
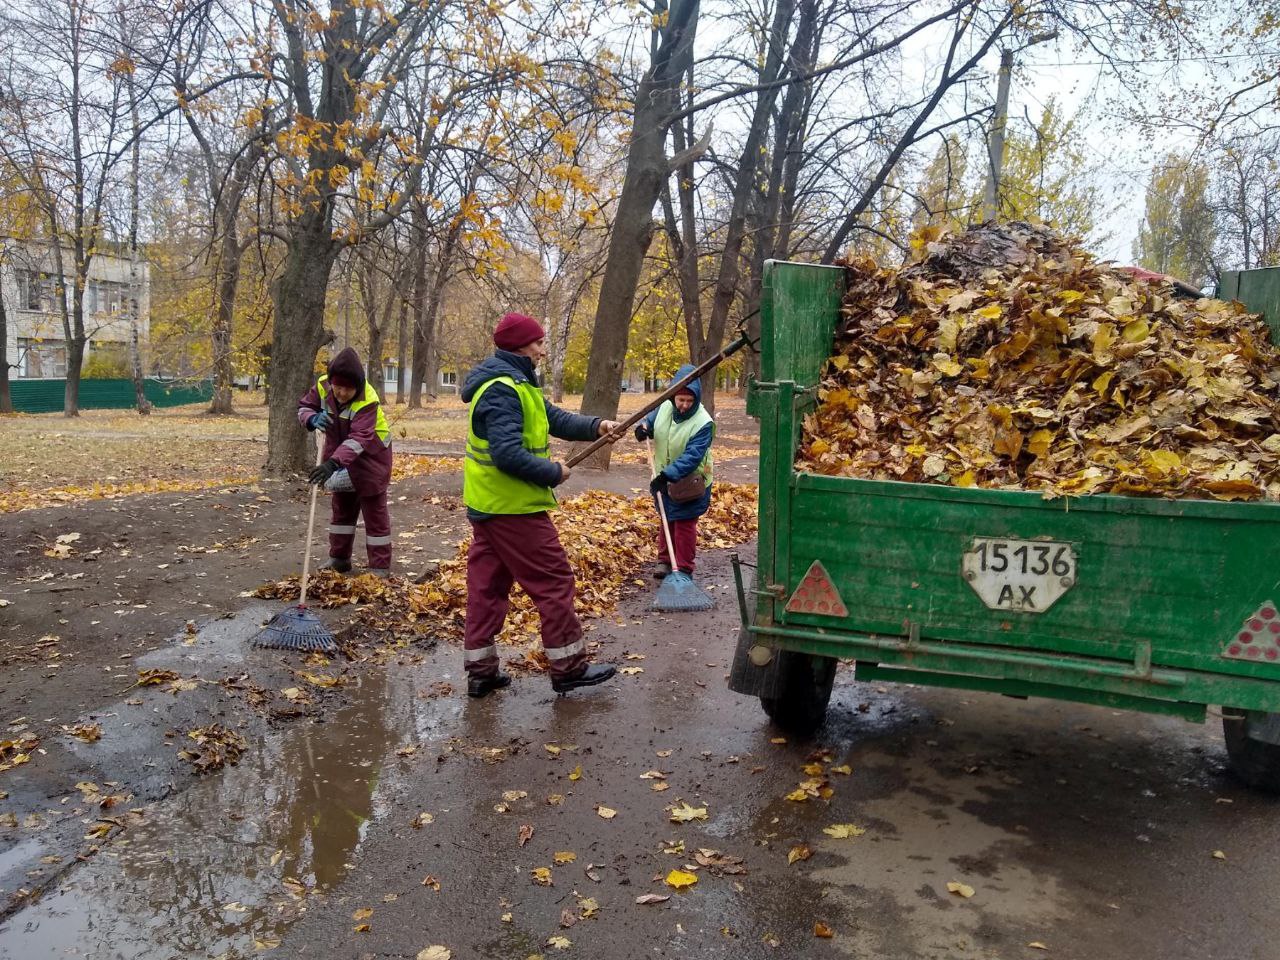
[(230, 860)]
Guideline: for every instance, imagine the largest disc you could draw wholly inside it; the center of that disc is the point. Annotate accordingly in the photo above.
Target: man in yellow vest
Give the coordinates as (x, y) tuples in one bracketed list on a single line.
[(356, 439), (507, 482)]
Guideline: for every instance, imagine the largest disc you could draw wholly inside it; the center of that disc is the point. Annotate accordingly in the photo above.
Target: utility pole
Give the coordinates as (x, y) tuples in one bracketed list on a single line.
[(995, 144)]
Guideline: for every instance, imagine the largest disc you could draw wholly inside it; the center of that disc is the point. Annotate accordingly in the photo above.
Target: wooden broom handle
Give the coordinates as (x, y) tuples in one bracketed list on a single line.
[(662, 513), (311, 525)]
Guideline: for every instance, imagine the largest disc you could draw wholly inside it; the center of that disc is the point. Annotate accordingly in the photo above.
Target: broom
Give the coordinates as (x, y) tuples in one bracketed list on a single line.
[(677, 592), (298, 628)]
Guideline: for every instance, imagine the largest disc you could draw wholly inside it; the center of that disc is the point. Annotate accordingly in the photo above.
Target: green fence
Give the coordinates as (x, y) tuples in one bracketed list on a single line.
[(1259, 290), (46, 396)]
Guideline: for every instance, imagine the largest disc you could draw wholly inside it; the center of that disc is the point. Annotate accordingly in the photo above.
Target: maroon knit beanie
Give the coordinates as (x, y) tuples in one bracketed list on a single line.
[(347, 370), (515, 330)]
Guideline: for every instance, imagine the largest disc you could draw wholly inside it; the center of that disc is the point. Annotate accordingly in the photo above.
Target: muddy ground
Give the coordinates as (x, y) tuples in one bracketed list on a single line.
[(1083, 833)]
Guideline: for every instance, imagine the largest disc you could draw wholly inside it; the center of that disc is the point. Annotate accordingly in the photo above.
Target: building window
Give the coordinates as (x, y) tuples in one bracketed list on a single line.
[(389, 372), (31, 287), (448, 378), (41, 358)]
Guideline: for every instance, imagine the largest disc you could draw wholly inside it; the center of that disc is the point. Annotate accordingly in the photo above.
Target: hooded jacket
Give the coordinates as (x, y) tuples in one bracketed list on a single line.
[(351, 440), (499, 419), (694, 452)]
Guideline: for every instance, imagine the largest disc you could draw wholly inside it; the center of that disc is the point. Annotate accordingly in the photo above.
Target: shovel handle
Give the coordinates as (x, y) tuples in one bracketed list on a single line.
[(652, 405)]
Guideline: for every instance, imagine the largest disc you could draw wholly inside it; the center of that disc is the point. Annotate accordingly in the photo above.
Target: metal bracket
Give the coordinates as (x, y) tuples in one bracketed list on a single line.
[(1142, 658)]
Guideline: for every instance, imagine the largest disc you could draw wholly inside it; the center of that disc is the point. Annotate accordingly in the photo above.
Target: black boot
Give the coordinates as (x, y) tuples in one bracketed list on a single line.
[(661, 570), (483, 686), (593, 674), (338, 565)]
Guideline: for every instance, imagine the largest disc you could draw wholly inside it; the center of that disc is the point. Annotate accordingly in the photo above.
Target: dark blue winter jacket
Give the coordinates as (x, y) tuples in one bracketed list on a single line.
[(499, 419), (694, 451)]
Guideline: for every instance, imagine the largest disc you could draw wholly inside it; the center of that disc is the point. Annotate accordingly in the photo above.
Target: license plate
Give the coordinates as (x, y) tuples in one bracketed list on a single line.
[(1027, 576)]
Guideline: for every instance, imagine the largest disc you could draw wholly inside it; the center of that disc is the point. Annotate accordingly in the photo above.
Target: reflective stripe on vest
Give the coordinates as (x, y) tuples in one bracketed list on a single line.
[(369, 396), (488, 489), (671, 436)]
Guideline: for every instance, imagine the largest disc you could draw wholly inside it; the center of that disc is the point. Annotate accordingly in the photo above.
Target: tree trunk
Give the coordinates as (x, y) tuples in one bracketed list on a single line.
[(227, 279), (135, 288), (299, 298), (402, 351), (646, 171), (420, 345)]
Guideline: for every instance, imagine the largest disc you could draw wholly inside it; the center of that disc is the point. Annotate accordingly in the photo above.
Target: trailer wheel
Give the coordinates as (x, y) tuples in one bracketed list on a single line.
[(1253, 757), (803, 691)]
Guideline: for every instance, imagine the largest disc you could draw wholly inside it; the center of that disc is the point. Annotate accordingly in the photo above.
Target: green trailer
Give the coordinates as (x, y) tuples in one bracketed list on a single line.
[(1165, 606)]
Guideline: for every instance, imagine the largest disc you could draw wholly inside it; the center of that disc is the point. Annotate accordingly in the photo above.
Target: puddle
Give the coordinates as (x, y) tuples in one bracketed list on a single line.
[(197, 877)]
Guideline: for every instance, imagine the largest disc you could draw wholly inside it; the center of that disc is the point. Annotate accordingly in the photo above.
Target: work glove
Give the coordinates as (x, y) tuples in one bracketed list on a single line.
[(319, 421), (659, 483), (642, 433), (321, 474)]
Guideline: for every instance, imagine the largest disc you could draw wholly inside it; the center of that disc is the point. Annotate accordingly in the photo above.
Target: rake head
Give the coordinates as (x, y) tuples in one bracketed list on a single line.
[(296, 628), (678, 593)]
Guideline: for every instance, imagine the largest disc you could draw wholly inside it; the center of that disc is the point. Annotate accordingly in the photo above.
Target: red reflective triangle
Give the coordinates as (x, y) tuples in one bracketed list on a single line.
[(817, 594)]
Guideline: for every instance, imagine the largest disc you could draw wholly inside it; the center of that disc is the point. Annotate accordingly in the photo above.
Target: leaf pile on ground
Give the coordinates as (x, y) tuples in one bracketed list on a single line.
[(1006, 356), (610, 540), (213, 747)]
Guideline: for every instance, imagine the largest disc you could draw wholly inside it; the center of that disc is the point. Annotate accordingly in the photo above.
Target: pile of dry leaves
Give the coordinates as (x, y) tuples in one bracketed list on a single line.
[(1007, 357), (609, 538)]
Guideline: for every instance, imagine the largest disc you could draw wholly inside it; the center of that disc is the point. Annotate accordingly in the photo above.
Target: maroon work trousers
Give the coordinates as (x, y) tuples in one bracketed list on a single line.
[(347, 507), (521, 549), (684, 537)]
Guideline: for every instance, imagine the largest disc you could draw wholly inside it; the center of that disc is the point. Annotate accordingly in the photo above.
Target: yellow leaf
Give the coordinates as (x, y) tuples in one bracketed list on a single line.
[(774, 740), (991, 311), (1039, 441), (685, 813), (812, 769), (564, 856), (960, 889), (843, 831), (823, 931), (1136, 331), (966, 479), (362, 928), (542, 875), (606, 813), (679, 880), (435, 953), (560, 943), (1102, 382), (1219, 855), (946, 365), (799, 796), (364, 913), (552, 749), (801, 852), (844, 769), (577, 773)]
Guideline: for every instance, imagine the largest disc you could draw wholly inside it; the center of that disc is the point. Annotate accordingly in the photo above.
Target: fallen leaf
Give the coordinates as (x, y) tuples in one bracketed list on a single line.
[(422, 819), (526, 834), (1219, 855), (606, 813), (801, 852), (844, 769), (843, 831), (679, 880), (1037, 945), (567, 918), (823, 931), (435, 953), (812, 769), (511, 796), (362, 928), (648, 898), (294, 694), (660, 786), (564, 856), (88, 732), (576, 773), (663, 753), (684, 813), (542, 876), (560, 943), (653, 775), (778, 740), (407, 751), (552, 749), (960, 889), (363, 913), (631, 671), (432, 882)]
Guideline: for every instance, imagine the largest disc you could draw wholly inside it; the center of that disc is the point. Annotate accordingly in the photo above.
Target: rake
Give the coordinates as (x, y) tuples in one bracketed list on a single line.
[(677, 592), (298, 628)]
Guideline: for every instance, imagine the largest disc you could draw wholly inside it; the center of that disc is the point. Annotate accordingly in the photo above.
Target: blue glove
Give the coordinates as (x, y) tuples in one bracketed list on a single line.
[(319, 421)]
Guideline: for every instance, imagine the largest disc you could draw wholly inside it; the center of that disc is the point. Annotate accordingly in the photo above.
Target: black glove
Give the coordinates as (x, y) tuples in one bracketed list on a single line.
[(321, 474), (659, 483), (642, 432)]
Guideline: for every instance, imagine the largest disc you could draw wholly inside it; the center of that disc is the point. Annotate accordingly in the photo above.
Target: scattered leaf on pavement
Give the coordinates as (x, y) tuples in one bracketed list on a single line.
[(823, 931), (526, 834), (679, 879), (843, 831), (542, 875), (435, 953), (564, 856), (606, 813), (647, 898), (960, 889), (683, 813), (801, 852)]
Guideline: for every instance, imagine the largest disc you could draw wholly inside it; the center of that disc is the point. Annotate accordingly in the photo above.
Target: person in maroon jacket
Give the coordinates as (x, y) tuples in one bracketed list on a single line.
[(358, 440)]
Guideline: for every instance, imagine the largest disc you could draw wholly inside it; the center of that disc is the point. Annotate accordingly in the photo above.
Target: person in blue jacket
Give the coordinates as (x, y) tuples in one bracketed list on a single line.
[(682, 431)]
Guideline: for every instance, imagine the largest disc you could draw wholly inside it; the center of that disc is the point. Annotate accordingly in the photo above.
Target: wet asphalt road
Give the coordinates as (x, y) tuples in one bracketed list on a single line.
[(1087, 831)]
